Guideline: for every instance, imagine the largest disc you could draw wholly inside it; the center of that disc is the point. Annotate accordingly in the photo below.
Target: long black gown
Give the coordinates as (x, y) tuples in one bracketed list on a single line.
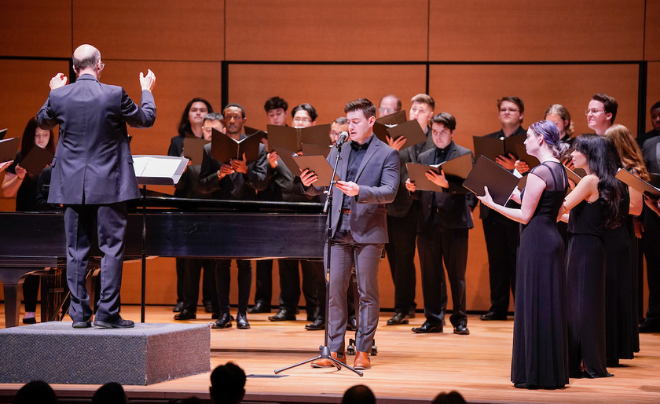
[(540, 356), (585, 287), (620, 288)]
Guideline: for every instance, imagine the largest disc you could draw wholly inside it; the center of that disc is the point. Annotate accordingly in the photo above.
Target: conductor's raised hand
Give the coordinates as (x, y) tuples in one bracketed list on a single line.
[(410, 186), (437, 179), (239, 165), (348, 187), (486, 199), (59, 80), (148, 82), (308, 177)]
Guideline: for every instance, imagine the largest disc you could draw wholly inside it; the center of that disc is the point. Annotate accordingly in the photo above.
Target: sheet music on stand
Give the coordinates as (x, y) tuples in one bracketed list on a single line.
[(158, 170)]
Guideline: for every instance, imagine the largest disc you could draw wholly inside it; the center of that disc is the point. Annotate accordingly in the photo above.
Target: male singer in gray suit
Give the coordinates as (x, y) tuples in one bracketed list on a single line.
[(370, 172), (93, 176)]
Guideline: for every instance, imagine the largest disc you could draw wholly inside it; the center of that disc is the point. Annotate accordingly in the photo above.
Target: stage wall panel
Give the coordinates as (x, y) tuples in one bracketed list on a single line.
[(653, 91), (151, 29), (523, 30), (40, 28), (340, 30), (652, 32)]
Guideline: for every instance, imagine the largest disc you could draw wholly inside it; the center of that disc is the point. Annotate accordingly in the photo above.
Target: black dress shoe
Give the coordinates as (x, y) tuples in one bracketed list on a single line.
[(649, 326), (242, 322), (259, 307), (185, 315), (178, 307), (351, 325), (461, 329), (223, 322), (318, 324), (492, 316), (398, 318), (82, 324), (31, 320), (427, 327), (121, 323), (283, 315)]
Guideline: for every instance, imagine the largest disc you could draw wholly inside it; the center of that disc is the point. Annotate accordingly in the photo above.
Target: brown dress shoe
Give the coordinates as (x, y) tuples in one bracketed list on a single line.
[(327, 363), (361, 361)]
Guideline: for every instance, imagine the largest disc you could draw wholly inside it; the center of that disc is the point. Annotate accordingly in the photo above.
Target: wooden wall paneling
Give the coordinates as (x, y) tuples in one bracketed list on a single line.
[(36, 28), (327, 87), (470, 93), (176, 84), (652, 90), (652, 32), (340, 30), (522, 30), (151, 29)]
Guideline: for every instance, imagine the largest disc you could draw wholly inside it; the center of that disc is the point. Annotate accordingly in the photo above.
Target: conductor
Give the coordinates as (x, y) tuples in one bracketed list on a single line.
[(93, 176)]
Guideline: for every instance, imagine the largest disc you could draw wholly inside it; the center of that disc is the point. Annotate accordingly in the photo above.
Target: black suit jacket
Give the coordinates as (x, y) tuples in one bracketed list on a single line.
[(453, 204), (403, 201), (93, 162), (236, 186)]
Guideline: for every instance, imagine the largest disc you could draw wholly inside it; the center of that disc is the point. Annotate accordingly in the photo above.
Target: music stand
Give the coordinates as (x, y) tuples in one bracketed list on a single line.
[(154, 170), (325, 350)]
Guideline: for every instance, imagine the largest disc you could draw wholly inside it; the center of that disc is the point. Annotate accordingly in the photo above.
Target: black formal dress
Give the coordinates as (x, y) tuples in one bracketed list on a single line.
[(539, 328), (585, 287), (620, 290)]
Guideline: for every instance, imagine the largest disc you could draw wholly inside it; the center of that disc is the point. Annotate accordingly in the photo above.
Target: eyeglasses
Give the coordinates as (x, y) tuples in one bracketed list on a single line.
[(207, 129), (302, 120), (593, 111)]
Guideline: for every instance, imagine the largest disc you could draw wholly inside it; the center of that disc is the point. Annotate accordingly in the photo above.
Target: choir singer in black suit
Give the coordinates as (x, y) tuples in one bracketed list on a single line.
[(370, 172), (93, 176), (443, 226)]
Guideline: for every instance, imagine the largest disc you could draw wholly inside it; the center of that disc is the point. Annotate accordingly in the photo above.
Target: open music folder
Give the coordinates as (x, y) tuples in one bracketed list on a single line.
[(492, 148), (456, 171), (290, 138), (158, 170), (36, 160), (3, 132), (193, 149), (8, 148), (225, 148), (319, 165), (638, 184), (500, 182)]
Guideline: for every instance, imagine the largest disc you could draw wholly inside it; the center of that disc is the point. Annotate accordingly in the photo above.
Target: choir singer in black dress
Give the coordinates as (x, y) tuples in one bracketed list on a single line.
[(539, 330)]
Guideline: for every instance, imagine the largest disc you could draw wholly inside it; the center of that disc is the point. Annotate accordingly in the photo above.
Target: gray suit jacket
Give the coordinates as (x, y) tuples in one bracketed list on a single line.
[(378, 178), (93, 162)]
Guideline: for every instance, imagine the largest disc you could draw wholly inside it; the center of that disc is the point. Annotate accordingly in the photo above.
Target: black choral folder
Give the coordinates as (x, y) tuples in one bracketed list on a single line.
[(290, 138), (310, 149), (575, 175), (319, 165), (456, 170), (193, 149), (500, 182), (287, 159), (638, 184), (36, 160), (8, 148), (493, 147), (225, 148), (3, 132)]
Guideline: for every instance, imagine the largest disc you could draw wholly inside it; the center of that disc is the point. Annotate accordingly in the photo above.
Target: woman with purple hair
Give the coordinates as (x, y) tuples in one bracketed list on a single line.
[(540, 358)]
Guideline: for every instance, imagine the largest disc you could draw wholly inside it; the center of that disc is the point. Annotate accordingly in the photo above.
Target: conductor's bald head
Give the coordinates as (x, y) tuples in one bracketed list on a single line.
[(87, 59)]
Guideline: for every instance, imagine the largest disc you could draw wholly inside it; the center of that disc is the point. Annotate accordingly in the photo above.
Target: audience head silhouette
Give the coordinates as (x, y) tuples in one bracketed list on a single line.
[(453, 397), (110, 393), (359, 394), (35, 392), (227, 384)]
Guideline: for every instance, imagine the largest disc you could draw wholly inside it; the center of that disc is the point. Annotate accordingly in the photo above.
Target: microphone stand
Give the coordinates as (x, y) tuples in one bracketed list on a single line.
[(325, 350)]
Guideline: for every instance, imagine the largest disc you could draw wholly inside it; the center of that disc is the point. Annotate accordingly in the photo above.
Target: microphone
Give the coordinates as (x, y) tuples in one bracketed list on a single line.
[(343, 137)]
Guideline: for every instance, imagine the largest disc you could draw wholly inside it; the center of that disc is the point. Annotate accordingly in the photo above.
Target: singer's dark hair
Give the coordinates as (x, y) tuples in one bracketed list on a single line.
[(367, 107), (341, 121), (610, 105), (305, 107), (445, 119), (275, 103), (603, 161), (184, 124)]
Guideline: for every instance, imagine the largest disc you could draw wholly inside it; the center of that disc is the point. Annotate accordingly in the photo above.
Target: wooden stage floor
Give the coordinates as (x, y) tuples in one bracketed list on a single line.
[(408, 368)]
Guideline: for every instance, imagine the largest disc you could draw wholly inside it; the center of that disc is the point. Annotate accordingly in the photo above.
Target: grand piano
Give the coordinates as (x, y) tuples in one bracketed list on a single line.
[(175, 227)]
